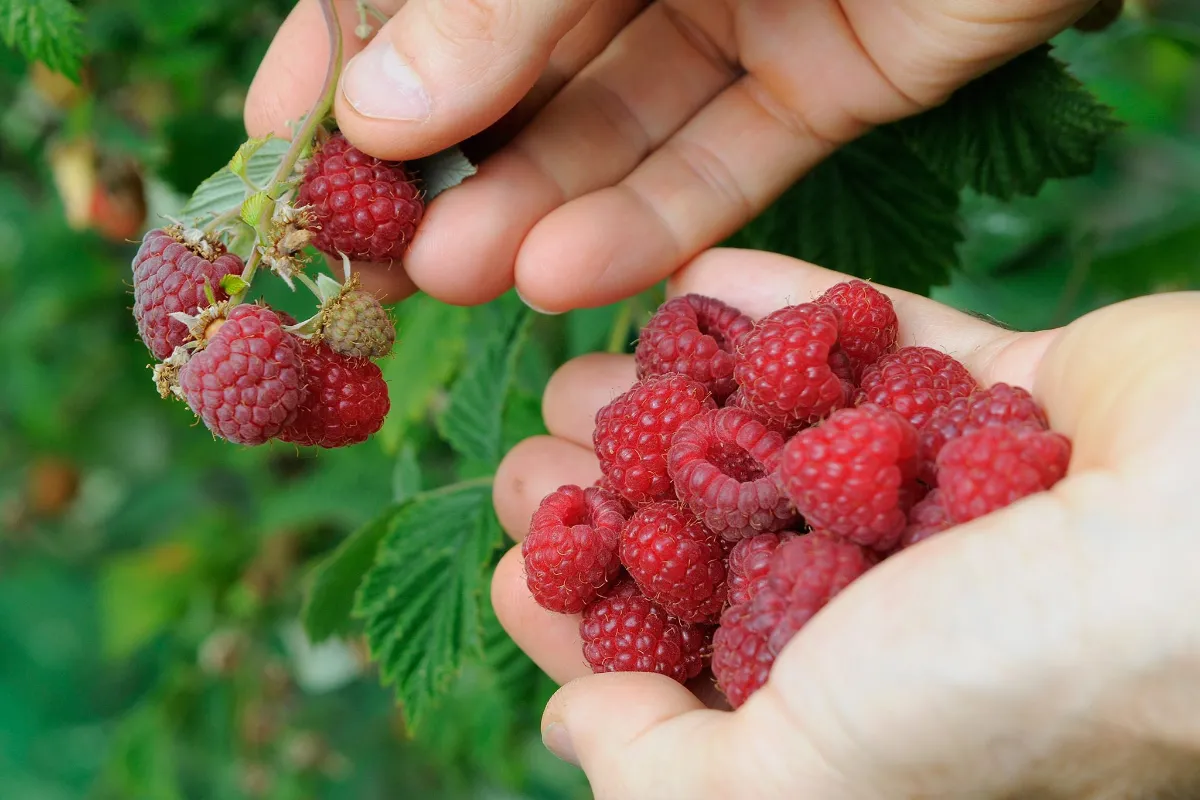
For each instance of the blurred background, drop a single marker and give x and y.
(151, 577)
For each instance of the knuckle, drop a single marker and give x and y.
(475, 21)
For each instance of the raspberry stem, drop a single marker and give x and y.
(301, 143)
(618, 335)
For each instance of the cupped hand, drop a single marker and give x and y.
(1048, 650)
(638, 133)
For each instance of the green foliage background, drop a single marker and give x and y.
(173, 549)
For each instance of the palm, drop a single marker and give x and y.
(957, 667)
(646, 132)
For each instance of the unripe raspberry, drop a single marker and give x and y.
(356, 324)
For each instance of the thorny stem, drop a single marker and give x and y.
(300, 142)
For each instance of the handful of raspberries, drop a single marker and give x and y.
(757, 469)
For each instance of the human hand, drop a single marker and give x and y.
(645, 132)
(1047, 650)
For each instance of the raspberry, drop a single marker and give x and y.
(805, 573)
(626, 632)
(694, 336)
(571, 550)
(988, 469)
(247, 382)
(169, 273)
(366, 208)
(928, 517)
(345, 400)
(721, 463)
(749, 561)
(869, 324)
(634, 431)
(355, 324)
(999, 405)
(850, 475)
(738, 400)
(914, 381)
(783, 365)
(675, 561)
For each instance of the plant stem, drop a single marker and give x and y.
(300, 142)
(620, 327)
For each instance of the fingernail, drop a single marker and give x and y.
(523, 299)
(379, 84)
(558, 741)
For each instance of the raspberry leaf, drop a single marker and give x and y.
(330, 597)
(224, 191)
(44, 30)
(430, 345)
(420, 601)
(1013, 129)
(873, 209)
(473, 422)
(442, 171)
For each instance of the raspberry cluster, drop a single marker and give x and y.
(251, 374)
(757, 469)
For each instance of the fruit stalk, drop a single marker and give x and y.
(301, 142)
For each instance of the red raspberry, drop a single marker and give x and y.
(694, 336)
(626, 632)
(634, 431)
(345, 399)
(869, 324)
(247, 383)
(169, 276)
(927, 518)
(914, 381)
(675, 561)
(851, 474)
(571, 550)
(749, 561)
(738, 400)
(366, 208)
(721, 463)
(990, 468)
(784, 367)
(999, 405)
(805, 573)
(605, 484)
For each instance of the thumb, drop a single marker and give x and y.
(441, 71)
(640, 736)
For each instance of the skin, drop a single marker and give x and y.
(627, 137)
(1047, 650)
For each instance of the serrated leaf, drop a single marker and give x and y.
(872, 209)
(473, 422)
(430, 342)
(334, 583)
(1013, 129)
(225, 191)
(253, 207)
(237, 164)
(442, 171)
(44, 30)
(233, 284)
(420, 602)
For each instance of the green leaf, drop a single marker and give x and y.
(225, 191)
(1010, 131)
(872, 209)
(431, 340)
(330, 597)
(442, 171)
(420, 602)
(44, 30)
(473, 422)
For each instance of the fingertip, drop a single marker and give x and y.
(550, 639)
(533, 469)
(580, 388)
